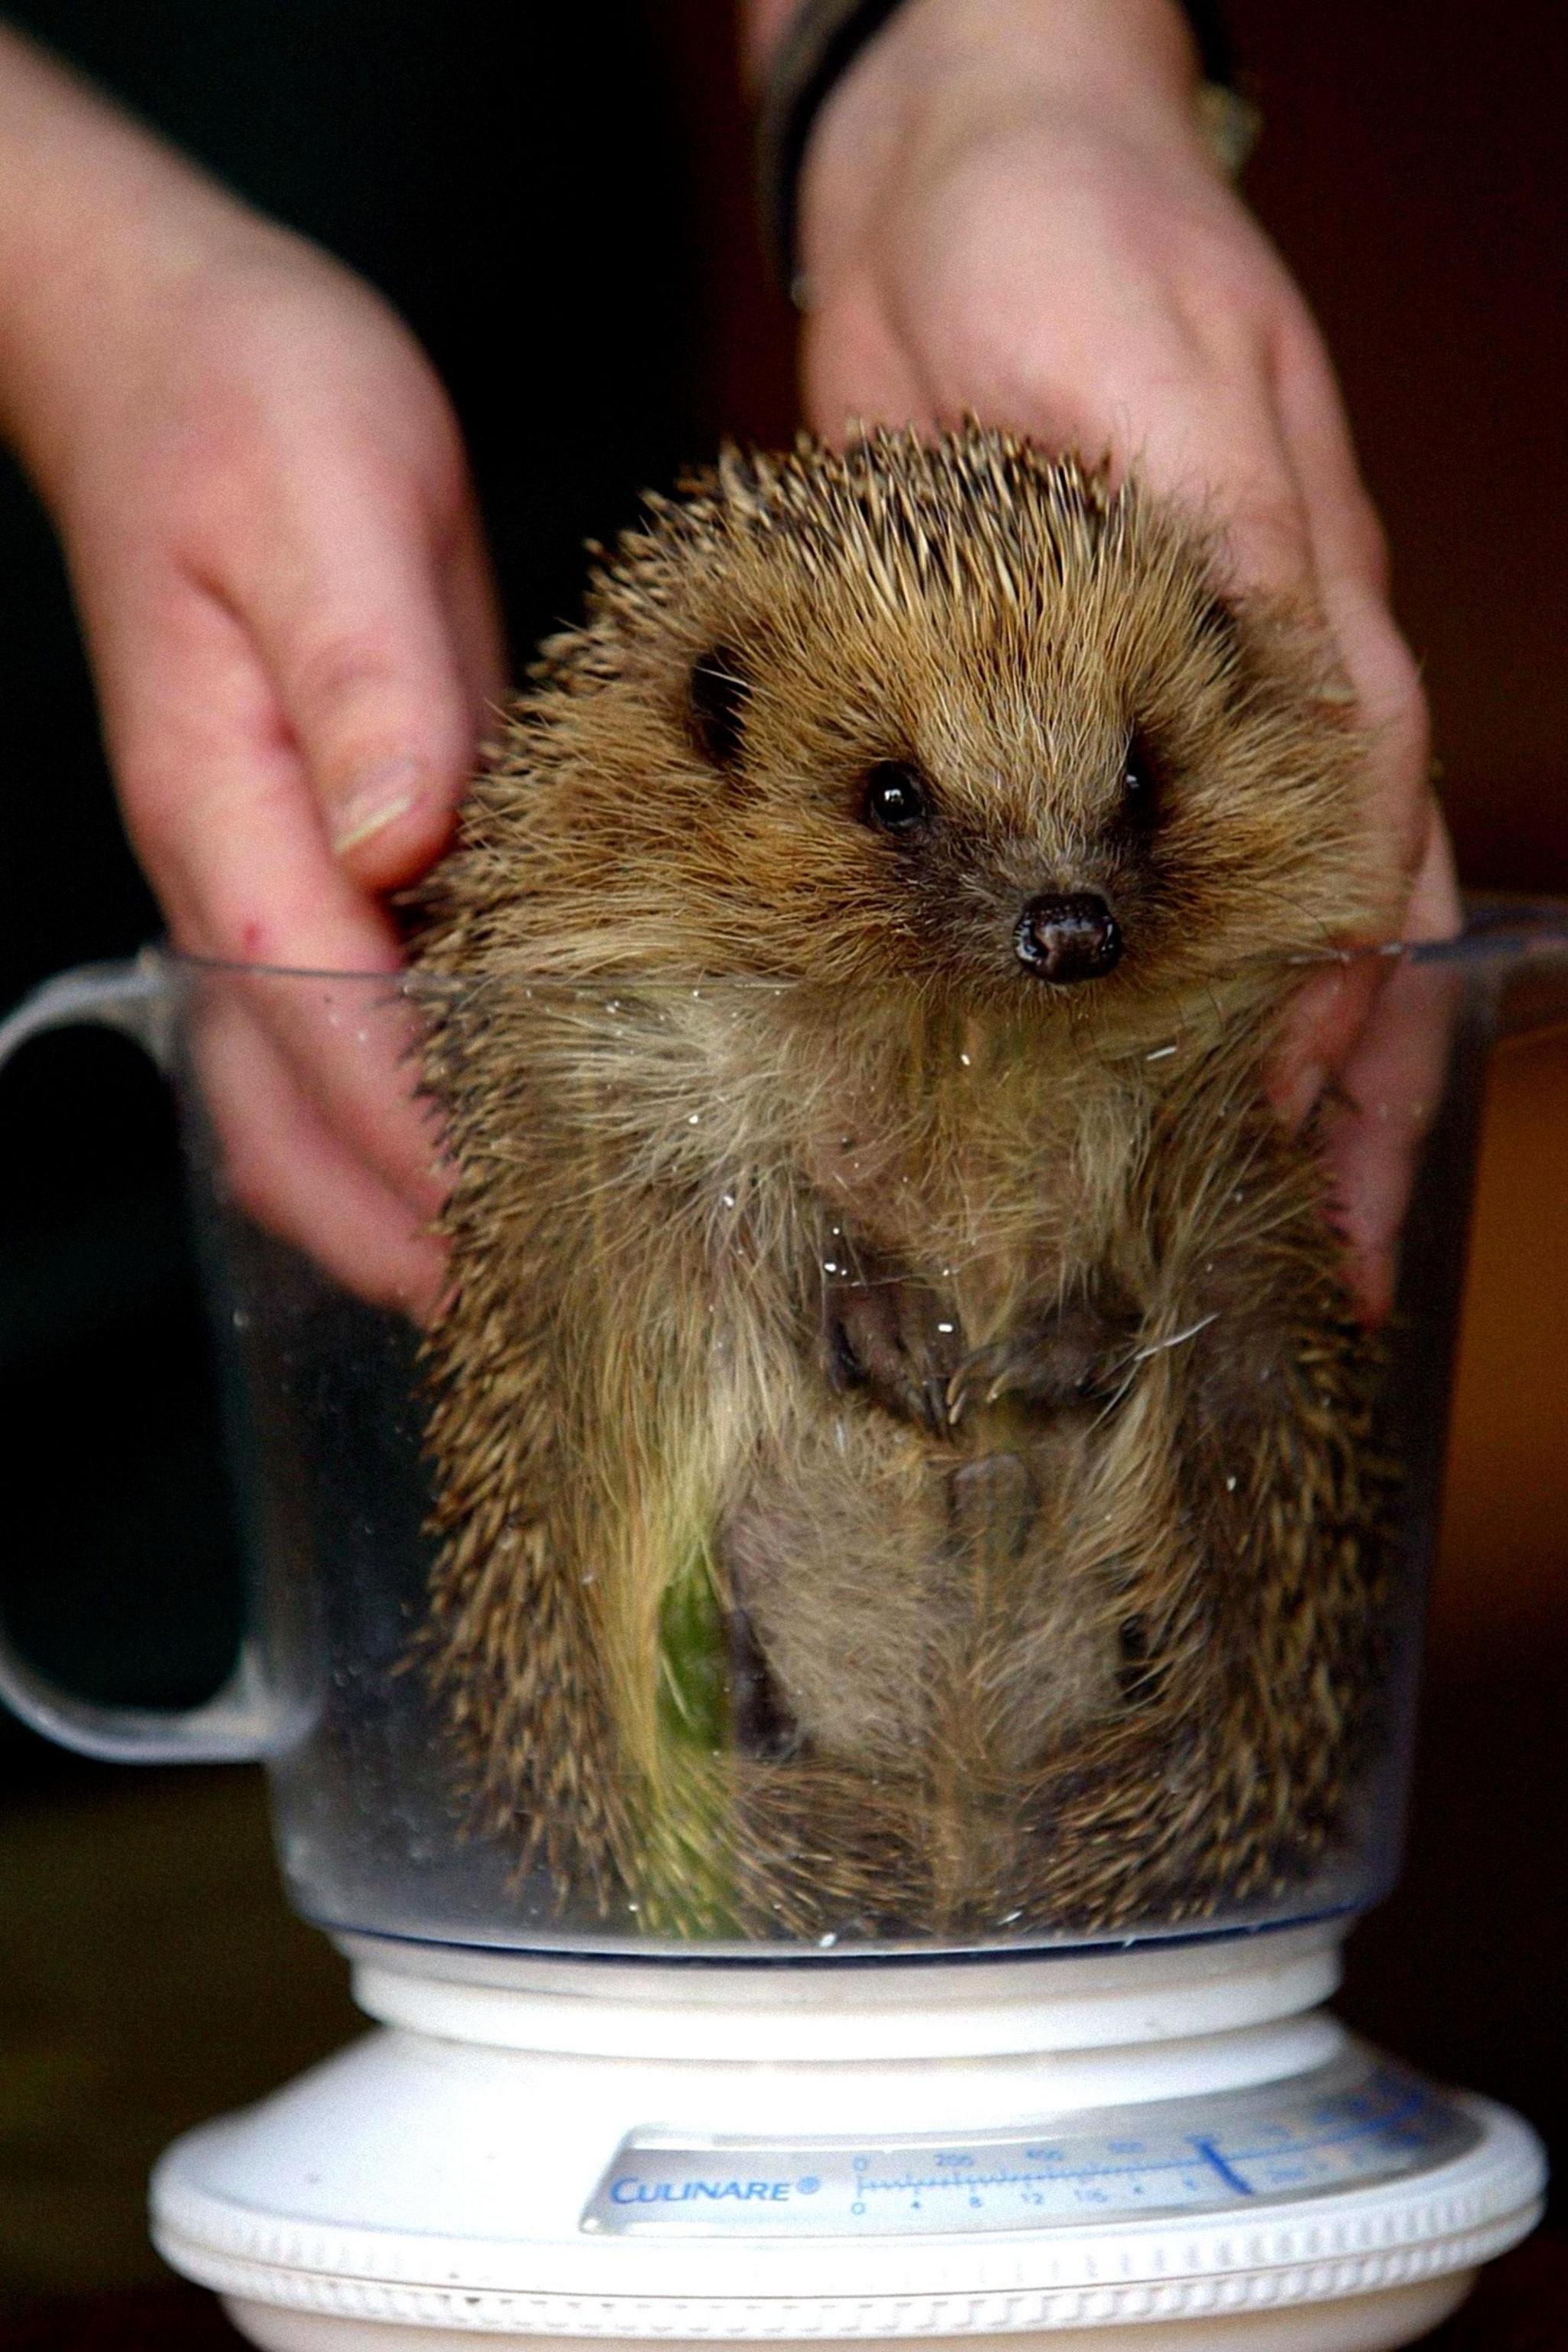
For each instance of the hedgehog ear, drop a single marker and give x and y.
(720, 692)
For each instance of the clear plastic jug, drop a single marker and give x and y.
(1117, 1648)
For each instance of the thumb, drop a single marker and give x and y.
(358, 624)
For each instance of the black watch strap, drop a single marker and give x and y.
(1210, 34)
(820, 44)
(822, 40)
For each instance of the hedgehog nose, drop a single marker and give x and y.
(1071, 937)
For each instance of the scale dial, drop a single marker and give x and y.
(1346, 2126)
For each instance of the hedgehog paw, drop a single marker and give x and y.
(1077, 1358)
(895, 1338)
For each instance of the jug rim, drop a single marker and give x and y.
(1495, 925)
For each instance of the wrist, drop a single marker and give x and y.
(1131, 61)
(103, 229)
(1107, 44)
(1135, 51)
(945, 73)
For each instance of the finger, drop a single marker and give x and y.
(854, 369)
(217, 795)
(221, 812)
(1386, 1099)
(1325, 1018)
(352, 1042)
(1215, 450)
(1436, 911)
(1341, 1003)
(1350, 561)
(1346, 533)
(348, 613)
(473, 615)
(1388, 1033)
(285, 1166)
(1103, 372)
(1362, 1030)
(1392, 1066)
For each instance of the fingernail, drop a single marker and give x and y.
(378, 796)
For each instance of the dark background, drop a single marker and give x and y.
(559, 202)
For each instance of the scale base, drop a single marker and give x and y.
(1361, 2323)
(1164, 2151)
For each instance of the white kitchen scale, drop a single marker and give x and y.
(1156, 2146)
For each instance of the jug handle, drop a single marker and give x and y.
(241, 1722)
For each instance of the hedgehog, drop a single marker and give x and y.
(905, 1462)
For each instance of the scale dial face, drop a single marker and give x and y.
(1351, 2125)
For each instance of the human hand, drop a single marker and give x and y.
(265, 506)
(1007, 209)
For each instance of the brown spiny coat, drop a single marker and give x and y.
(906, 1464)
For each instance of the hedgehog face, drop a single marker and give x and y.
(873, 838)
(1077, 799)
(948, 716)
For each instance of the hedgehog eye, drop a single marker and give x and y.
(720, 691)
(1140, 781)
(896, 798)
